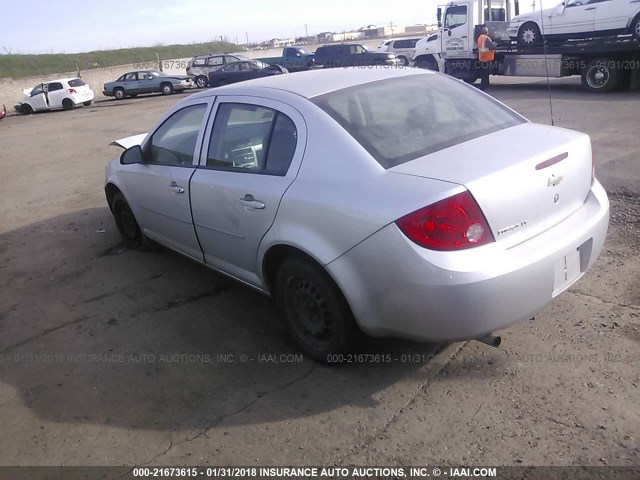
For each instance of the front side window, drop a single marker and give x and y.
(174, 142)
(37, 90)
(199, 62)
(400, 119)
(455, 17)
(251, 138)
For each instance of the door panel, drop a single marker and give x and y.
(614, 14)
(235, 205)
(158, 190)
(573, 19)
(455, 39)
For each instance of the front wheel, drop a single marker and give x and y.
(68, 104)
(600, 76)
(167, 89)
(126, 222)
(529, 35)
(315, 310)
(403, 61)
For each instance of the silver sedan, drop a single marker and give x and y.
(394, 202)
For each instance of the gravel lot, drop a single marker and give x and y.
(116, 357)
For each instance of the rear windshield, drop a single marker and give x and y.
(76, 82)
(400, 119)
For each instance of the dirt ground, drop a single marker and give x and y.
(116, 357)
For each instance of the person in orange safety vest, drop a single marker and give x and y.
(486, 55)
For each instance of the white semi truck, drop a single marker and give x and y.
(604, 62)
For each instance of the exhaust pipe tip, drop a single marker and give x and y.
(491, 340)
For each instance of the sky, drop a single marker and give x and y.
(79, 26)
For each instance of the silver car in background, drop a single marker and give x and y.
(394, 202)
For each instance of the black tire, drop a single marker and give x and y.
(26, 109)
(600, 75)
(68, 104)
(127, 223)
(316, 312)
(133, 95)
(222, 83)
(202, 81)
(529, 35)
(88, 103)
(167, 89)
(404, 61)
(635, 27)
(119, 94)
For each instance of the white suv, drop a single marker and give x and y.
(66, 93)
(577, 19)
(402, 47)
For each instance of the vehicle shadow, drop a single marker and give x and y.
(91, 332)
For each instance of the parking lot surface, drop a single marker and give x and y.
(111, 357)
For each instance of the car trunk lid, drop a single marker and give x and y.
(525, 179)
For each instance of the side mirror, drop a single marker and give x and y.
(132, 155)
(439, 16)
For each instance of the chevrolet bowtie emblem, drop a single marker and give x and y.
(554, 181)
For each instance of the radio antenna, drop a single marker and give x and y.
(546, 62)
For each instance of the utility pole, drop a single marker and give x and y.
(306, 30)
(247, 35)
(391, 26)
(533, 5)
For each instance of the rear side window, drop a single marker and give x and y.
(174, 142)
(56, 86)
(405, 44)
(251, 138)
(76, 82)
(321, 52)
(215, 61)
(401, 119)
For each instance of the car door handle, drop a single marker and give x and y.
(590, 8)
(175, 188)
(464, 36)
(249, 201)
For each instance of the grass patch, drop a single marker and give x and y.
(18, 66)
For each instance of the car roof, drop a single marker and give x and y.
(313, 83)
(61, 80)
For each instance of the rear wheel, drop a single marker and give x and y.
(202, 81)
(88, 103)
(315, 310)
(68, 104)
(119, 94)
(635, 27)
(403, 61)
(167, 89)
(529, 35)
(222, 83)
(600, 75)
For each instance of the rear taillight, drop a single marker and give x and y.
(454, 223)
(72, 90)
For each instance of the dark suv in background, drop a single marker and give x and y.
(352, 55)
(200, 66)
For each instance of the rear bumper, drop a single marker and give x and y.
(396, 288)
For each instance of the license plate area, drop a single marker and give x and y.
(570, 266)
